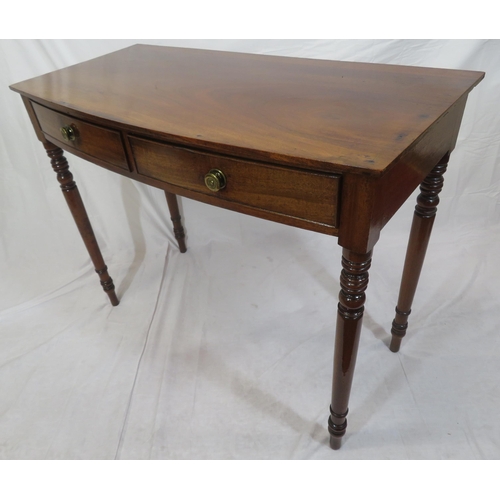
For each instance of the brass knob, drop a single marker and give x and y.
(215, 180)
(68, 132)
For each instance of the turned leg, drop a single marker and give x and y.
(353, 283)
(77, 208)
(423, 220)
(175, 216)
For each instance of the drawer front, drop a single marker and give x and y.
(95, 141)
(304, 195)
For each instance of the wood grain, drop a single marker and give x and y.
(302, 112)
(95, 141)
(335, 147)
(286, 191)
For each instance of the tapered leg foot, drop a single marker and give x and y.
(423, 220)
(175, 216)
(353, 283)
(337, 425)
(398, 330)
(108, 285)
(77, 208)
(335, 443)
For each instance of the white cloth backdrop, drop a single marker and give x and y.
(226, 351)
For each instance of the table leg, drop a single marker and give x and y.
(423, 220)
(175, 216)
(353, 283)
(77, 208)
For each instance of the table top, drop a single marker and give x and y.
(330, 115)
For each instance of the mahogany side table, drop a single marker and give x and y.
(333, 147)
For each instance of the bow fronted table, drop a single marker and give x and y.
(327, 146)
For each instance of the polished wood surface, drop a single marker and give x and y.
(315, 113)
(328, 146)
(423, 220)
(77, 209)
(286, 191)
(353, 284)
(97, 142)
(175, 216)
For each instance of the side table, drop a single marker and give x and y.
(328, 146)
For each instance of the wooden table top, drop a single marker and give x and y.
(329, 115)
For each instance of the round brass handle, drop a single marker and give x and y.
(215, 180)
(68, 132)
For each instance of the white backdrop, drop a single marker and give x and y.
(226, 351)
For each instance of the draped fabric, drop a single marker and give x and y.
(225, 352)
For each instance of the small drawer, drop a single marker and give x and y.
(294, 193)
(97, 142)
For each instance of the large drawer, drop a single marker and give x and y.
(97, 142)
(295, 193)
